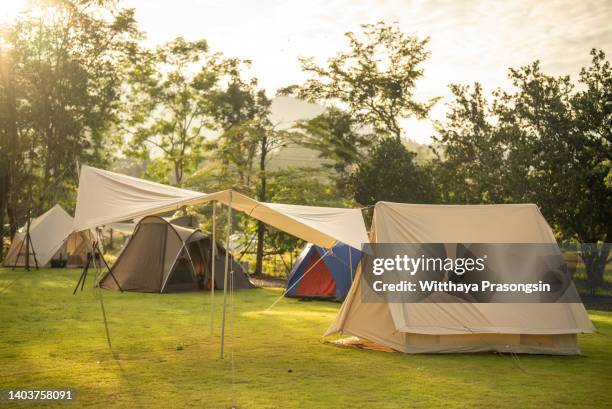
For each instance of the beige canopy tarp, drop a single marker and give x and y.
(462, 327)
(51, 238)
(106, 197)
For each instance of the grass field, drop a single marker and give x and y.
(164, 356)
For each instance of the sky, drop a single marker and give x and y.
(476, 40)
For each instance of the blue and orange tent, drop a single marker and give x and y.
(319, 273)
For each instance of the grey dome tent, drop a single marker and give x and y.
(162, 257)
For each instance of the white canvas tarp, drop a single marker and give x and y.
(462, 327)
(106, 197)
(320, 225)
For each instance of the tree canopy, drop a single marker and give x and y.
(374, 80)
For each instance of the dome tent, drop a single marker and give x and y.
(162, 257)
(538, 328)
(319, 273)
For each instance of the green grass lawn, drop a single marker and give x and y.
(165, 357)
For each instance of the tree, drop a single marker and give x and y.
(566, 138)
(337, 138)
(469, 151)
(590, 221)
(172, 94)
(267, 139)
(248, 138)
(8, 141)
(544, 142)
(242, 151)
(61, 76)
(374, 80)
(390, 174)
(241, 112)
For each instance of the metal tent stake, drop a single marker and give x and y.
(212, 269)
(227, 249)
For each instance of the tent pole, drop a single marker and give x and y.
(350, 250)
(227, 249)
(103, 260)
(27, 255)
(212, 268)
(162, 282)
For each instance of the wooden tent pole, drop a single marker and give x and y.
(212, 268)
(227, 249)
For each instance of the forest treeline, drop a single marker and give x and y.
(77, 86)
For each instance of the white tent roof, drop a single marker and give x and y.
(106, 197)
(48, 232)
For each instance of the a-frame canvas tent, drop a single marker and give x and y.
(52, 238)
(162, 257)
(321, 273)
(539, 328)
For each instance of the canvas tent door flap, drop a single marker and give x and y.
(536, 328)
(161, 257)
(76, 248)
(321, 273)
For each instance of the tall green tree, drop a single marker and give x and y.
(338, 139)
(248, 138)
(390, 173)
(469, 150)
(10, 153)
(374, 80)
(591, 213)
(172, 90)
(61, 78)
(241, 112)
(242, 150)
(544, 142)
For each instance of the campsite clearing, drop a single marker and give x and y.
(164, 356)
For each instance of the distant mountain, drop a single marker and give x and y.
(287, 110)
(129, 166)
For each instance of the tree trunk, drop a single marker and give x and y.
(261, 228)
(12, 219)
(8, 146)
(178, 174)
(2, 211)
(5, 156)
